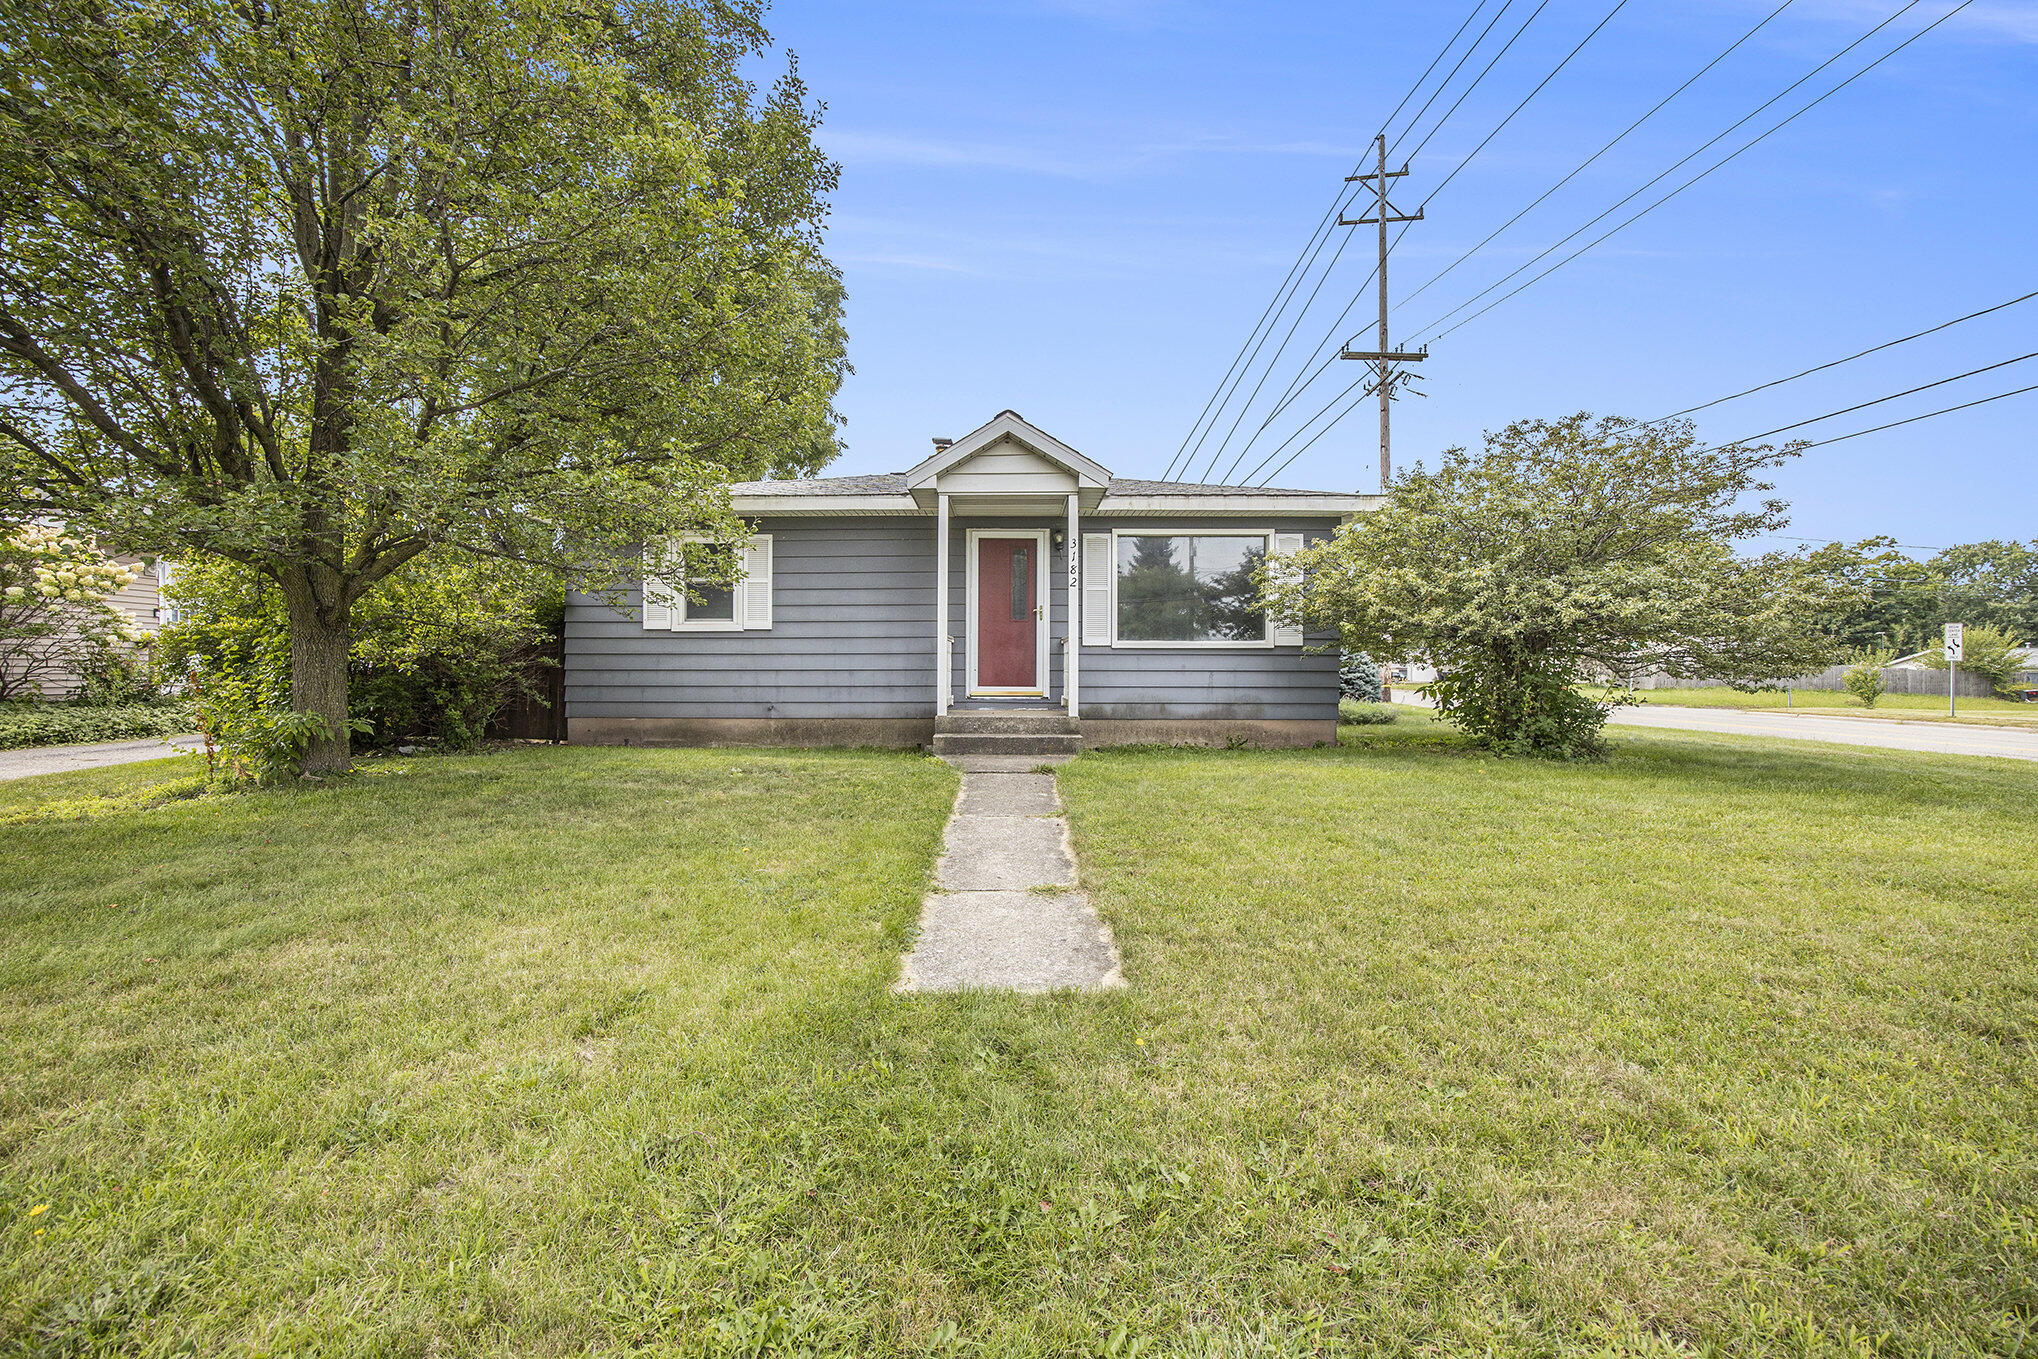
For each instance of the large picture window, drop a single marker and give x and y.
(1190, 587)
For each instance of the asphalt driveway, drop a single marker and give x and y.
(19, 764)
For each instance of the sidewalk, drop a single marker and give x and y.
(1006, 915)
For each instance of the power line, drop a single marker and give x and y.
(1361, 381)
(1445, 84)
(1687, 159)
(1594, 157)
(2003, 396)
(1319, 434)
(1268, 372)
(1288, 393)
(1502, 124)
(1477, 80)
(1311, 248)
(1434, 62)
(1848, 410)
(1873, 349)
(1799, 538)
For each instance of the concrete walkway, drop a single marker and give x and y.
(1943, 738)
(1006, 915)
(20, 764)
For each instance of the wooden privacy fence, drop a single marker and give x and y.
(540, 715)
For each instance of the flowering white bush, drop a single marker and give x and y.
(55, 622)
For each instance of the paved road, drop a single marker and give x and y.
(1944, 738)
(19, 764)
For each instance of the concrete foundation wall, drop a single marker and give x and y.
(1210, 731)
(915, 731)
(750, 731)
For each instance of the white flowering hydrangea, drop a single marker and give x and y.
(55, 614)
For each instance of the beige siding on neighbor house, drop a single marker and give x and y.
(140, 601)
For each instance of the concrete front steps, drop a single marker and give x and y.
(1011, 731)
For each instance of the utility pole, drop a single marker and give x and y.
(1385, 375)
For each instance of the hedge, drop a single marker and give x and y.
(70, 724)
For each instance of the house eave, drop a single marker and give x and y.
(1238, 506)
(1221, 506)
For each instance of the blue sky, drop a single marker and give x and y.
(1079, 208)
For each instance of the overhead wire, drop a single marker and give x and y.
(1337, 254)
(1872, 349)
(1431, 328)
(1880, 400)
(1590, 160)
(1965, 405)
(1313, 245)
(1283, 402)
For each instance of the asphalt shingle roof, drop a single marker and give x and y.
(894, 483)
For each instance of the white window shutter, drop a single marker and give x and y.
(1287, 634)
(757, 582)
(658, 609)
(1097, 572)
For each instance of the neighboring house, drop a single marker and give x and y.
(47, 669)
(874, 607)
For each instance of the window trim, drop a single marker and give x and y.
(1206, 644)
(738, 593)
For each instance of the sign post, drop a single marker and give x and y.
(1955, 653)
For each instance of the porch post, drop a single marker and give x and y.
(1072, 640)
(941, 660)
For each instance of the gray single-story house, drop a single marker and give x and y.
(1004, 576)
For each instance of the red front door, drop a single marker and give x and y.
(1008, 570)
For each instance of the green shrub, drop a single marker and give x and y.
(71, 724)
(437, 652)
(1354, 713)
(1865, 678)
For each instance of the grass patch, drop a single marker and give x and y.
(1908, 707)
(1715, 1045)
(1352, 712)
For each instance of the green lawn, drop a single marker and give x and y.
(1719, 1045)
(1904, 707)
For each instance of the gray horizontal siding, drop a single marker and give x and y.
(852, 636)
(1273, 683)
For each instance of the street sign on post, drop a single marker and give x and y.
(1956, 640)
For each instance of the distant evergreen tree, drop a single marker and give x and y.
(1358, 676)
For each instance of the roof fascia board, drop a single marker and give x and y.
(1258, 506)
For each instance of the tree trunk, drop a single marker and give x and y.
(319, 638)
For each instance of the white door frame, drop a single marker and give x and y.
(1040, 537)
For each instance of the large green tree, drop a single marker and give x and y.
(319, 286)
(1569, 551)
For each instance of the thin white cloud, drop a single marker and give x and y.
(2016, 20)
(1101, 156)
